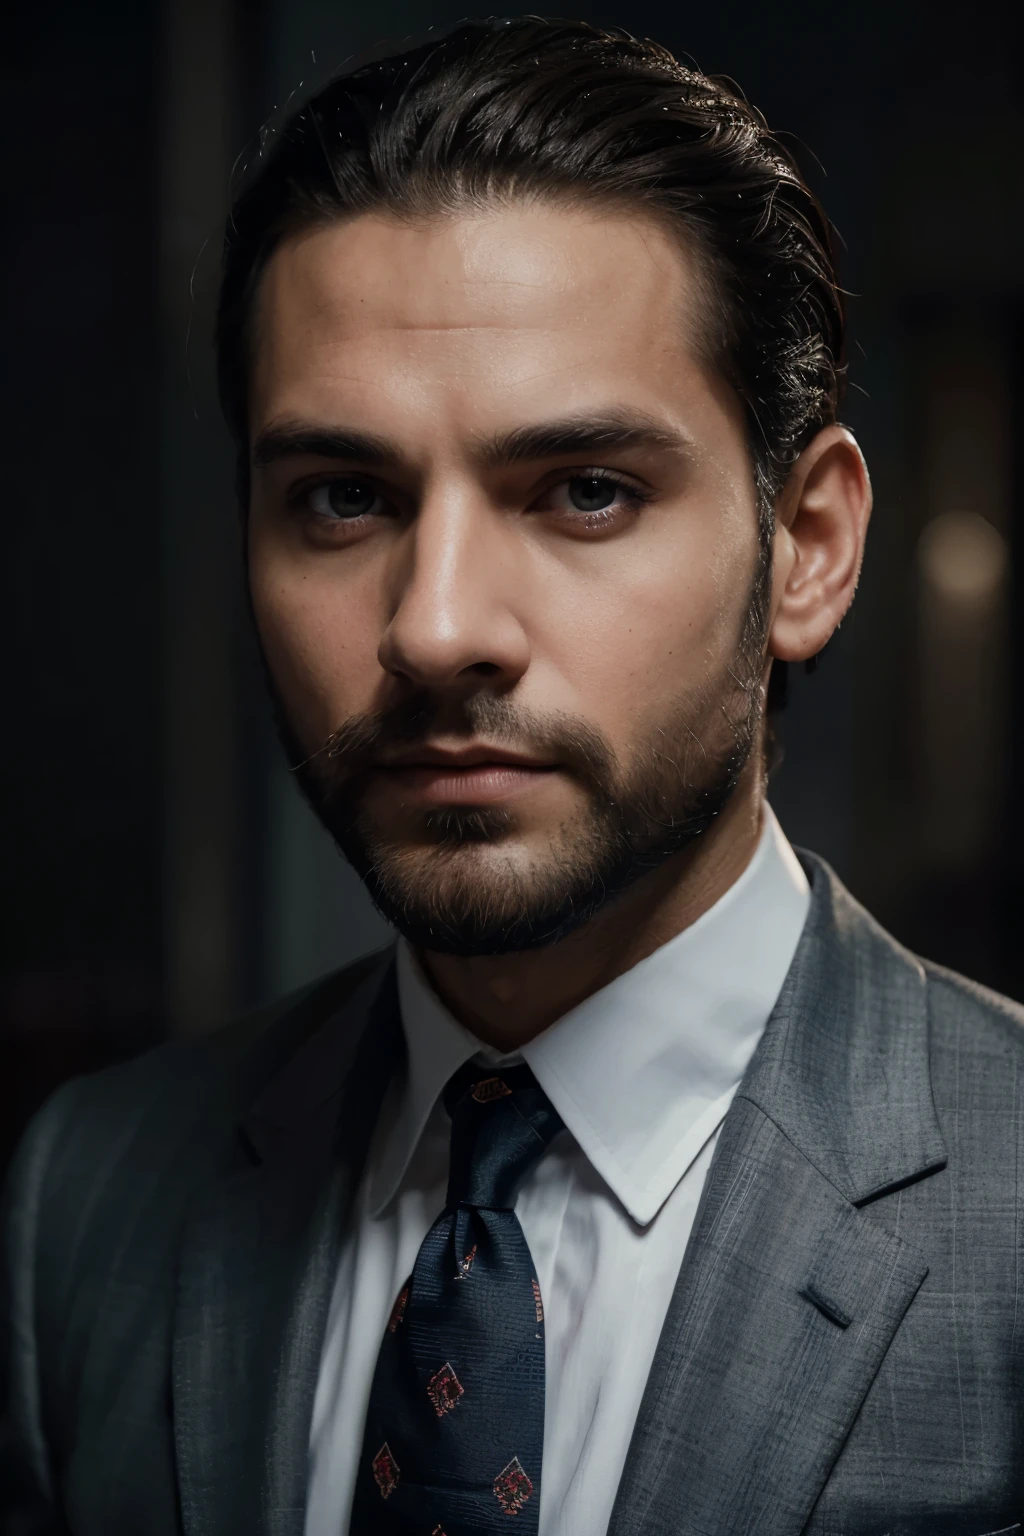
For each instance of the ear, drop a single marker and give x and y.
(821, 523)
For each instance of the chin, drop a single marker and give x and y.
(476, 898)
(492, 898)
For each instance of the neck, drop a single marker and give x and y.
(506, 1000)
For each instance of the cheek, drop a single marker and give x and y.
(320, 647)
(657, 623)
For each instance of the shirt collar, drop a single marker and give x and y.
(643, 1071)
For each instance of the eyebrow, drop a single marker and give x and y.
(603, 432)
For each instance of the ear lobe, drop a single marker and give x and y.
(822, 524)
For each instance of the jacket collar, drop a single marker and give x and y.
(843, 1066)
(298, 1113)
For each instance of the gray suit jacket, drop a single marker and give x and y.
(842, 1356)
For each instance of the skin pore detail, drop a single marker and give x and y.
(506, 575)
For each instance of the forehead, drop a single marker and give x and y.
(538, 306)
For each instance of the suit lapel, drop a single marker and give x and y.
(258, 1259)
(787, 1302)
(793, 1284)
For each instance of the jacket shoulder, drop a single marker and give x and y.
(185, 1093)
(961, 1011)
(972, 1019)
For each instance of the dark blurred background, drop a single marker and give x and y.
(160, 872)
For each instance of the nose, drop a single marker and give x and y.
(453, 622)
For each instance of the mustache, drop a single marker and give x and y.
(351, 751)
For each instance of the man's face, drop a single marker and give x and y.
(503, 544)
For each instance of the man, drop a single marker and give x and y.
(647, 1186)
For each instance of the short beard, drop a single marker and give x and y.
(442, 891)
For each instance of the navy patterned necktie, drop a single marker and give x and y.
(455, 1429)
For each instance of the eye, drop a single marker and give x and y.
(595, 493)
(593, 498)
(343, 500)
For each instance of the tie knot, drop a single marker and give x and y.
(502, 1120)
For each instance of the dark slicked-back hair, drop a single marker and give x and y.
(503, 110)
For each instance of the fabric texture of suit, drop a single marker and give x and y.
(842, 1355)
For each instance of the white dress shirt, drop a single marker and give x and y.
(642, 1073)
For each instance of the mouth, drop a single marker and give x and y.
(475, 775)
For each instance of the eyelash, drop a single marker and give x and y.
(635, 498)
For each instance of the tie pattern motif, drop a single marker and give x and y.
(455, 1428)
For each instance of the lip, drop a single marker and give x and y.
(465, 757)
(477, 775)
